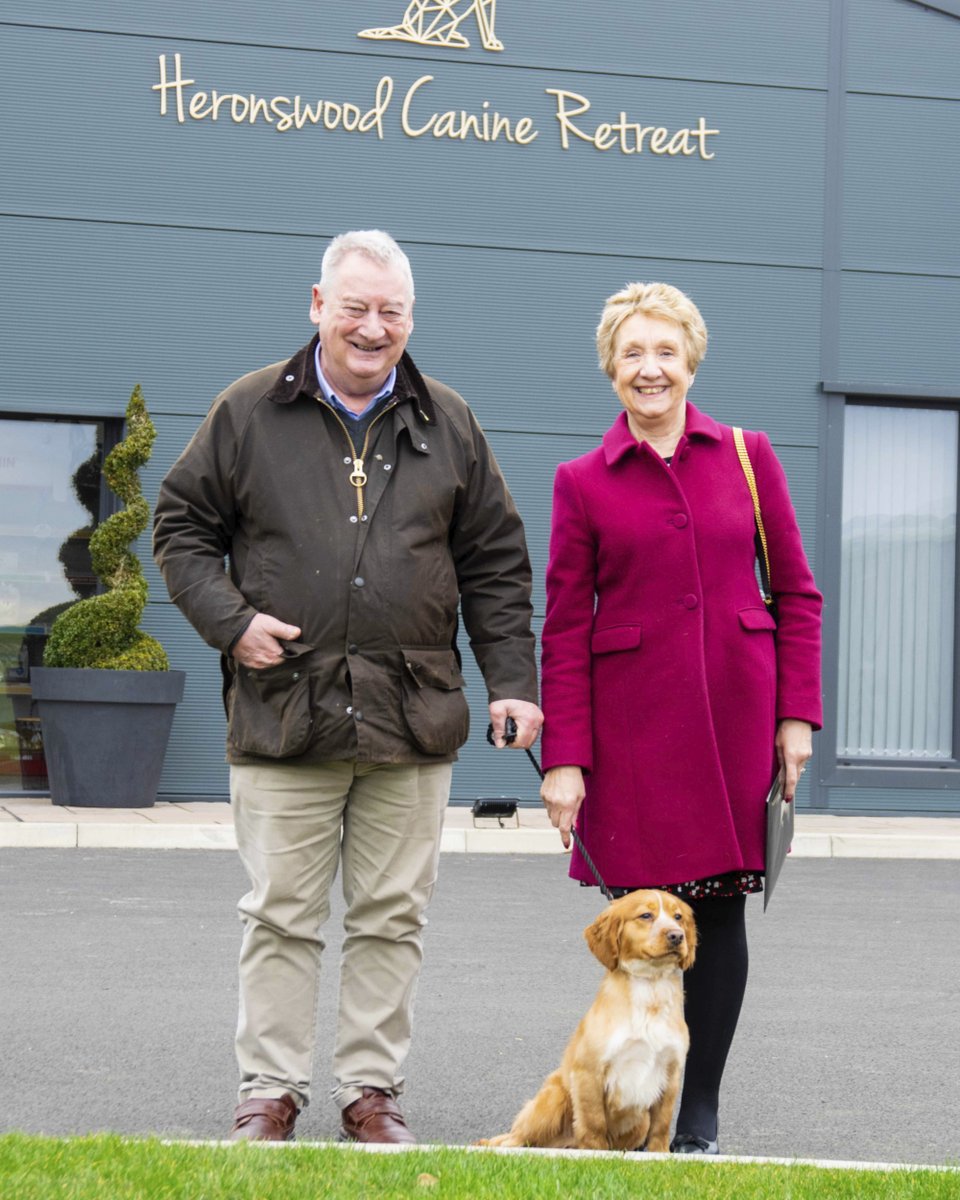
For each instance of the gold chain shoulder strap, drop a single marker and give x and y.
(752, 485)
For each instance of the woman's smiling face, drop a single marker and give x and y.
(650, 373)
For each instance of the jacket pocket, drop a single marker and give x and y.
(269, 709)
(434, 706)
(757, 618)
(616, 637)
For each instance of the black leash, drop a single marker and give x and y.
(510, 736)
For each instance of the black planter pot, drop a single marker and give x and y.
(105, 733)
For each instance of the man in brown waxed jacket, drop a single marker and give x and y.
(358, 503)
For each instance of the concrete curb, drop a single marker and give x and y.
(29, 823)
(639, 1157)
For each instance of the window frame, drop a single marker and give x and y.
(834, 770)
(113, 429)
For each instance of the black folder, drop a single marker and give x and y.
(779, 836)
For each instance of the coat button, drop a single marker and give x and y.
(358, 715)
(289, 378)
(354, 519)
(680, 520)
(349, 710)
(358, 582)
(690, 601)
(353, 648)
(387, 467)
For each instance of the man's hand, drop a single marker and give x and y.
(259, 646)
(562, 794)
(794, 744)
(528, 717)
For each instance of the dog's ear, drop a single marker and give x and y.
(603, 938)
(690, 936)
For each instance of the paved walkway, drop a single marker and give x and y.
(202, 825)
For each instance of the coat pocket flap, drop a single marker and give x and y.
(433, 668)
(268, 680)
(617, 637)
(295, 649)
(756, 618)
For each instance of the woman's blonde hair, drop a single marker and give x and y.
(661, 301)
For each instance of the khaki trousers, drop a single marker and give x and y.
(294, 824)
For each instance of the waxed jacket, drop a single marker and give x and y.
(369, 554)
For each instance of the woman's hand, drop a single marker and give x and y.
(794, 742)
(562, 793)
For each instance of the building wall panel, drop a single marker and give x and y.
(752, 41)
(900, 47)
(901, 169)
(184, 312)
(132, 164)
(135, 248)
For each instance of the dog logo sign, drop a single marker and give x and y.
(438, 22)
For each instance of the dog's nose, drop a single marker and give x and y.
(675, 937)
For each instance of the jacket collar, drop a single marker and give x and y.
(298, 376)
(618, 440)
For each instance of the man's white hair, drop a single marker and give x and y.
(374, 244)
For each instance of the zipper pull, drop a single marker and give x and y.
(358, 476)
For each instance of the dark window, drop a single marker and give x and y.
(52, 497)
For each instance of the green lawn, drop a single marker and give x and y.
(112, 1168)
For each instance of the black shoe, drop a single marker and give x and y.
(688, 1143)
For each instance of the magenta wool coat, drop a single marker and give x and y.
(663, 674)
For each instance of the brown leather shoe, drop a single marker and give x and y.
(263, 1120)
(375, 1118)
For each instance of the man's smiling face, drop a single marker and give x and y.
(364, 316)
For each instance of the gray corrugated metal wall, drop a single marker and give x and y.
(136, 248)
(896, 290)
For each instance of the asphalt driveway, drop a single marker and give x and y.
(118, 1001)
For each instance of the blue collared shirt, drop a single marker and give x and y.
(331, 397)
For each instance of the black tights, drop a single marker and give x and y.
(714, 988)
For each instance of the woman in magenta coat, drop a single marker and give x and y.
(671, 697)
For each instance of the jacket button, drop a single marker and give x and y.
(352, 648)
(690, 601)
(289, 378)
(349, 710)
(358, 715)
(354, 519)
(358, 582)
(296, 675)
(387, 467)
(680, 520)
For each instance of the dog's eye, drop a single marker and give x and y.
(678, 916)
(647, 916)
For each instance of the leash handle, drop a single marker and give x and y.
(510, 736)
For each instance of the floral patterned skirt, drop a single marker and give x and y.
(732, 883)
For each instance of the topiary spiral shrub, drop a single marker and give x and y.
(101, 631)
